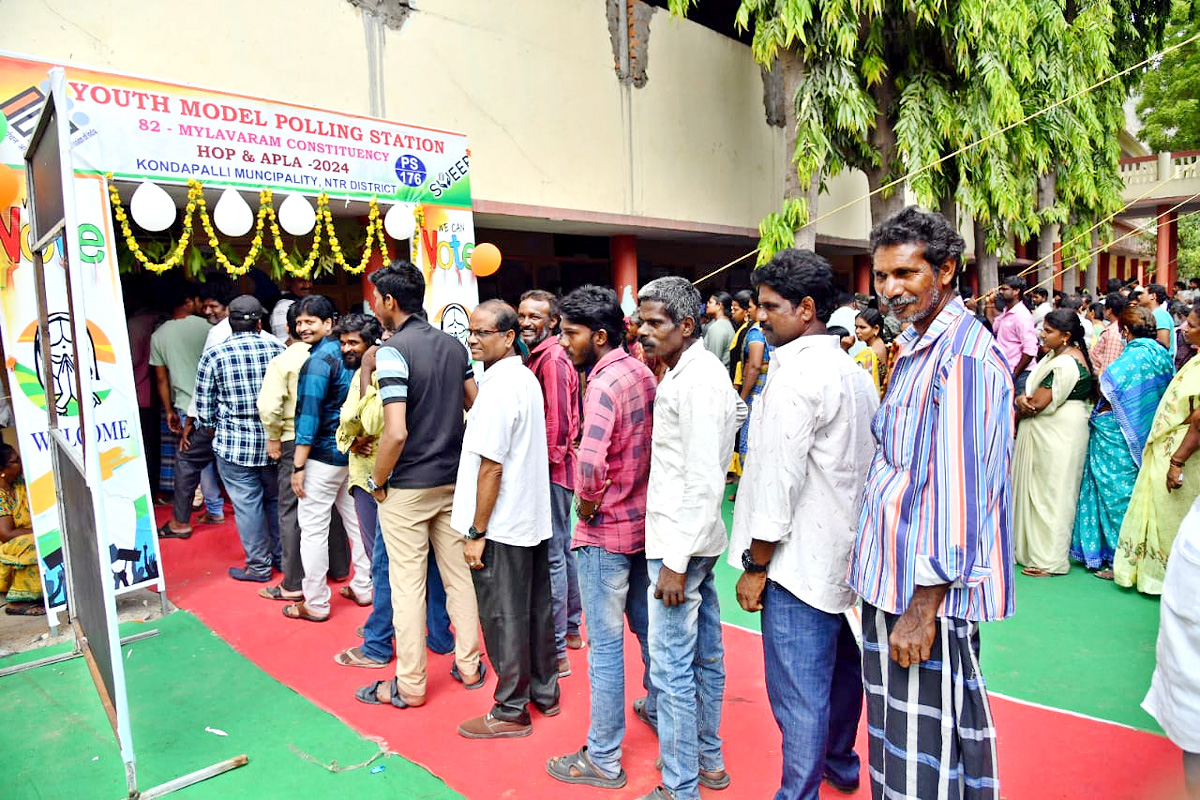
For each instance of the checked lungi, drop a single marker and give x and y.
(930, 729)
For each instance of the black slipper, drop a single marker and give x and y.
(165, 532)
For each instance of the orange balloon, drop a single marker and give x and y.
(10, 186)
(485, 259)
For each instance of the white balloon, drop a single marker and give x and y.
(152, 208)
(399, 222)
(233, 215)
(296, 216)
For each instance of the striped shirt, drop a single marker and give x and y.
(936, 506)
(228, 379)
(617, 428)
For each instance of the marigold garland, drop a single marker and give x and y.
(266, 217)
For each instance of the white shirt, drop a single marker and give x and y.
(507, 424)
(845, 316)
(696, 417)
(278, 319)
(802, 484)
(1039, 314)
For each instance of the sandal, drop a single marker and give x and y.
(276, 593)
(1104, 574)
(578, 768)
(369, 694)
(348, 593)
(208, 519)
(354, 657)
(708, 778)
(25, 610)
(1034, 572)
(454, 673)
(300, 611)
(165, 532)
(639, 709)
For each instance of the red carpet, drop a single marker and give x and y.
(1043, 753)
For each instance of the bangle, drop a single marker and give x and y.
(1177, 463)
(298, 467)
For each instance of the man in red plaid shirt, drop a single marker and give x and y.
(611, 475)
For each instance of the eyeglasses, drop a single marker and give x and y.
(479, 334)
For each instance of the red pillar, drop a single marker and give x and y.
(1140, 266)
(1162, 252)
(623, 251)
(862, 273)
(377, 261)
(1121, 272)
(1021, 248)
(1102, 272)
(1173, 260)
(1058, 265)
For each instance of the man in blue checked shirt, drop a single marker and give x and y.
(227, 382)
(320, 472)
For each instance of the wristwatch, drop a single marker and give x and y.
(474, 533)
(750, 565)
(372, 486)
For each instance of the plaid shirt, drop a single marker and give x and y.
(324, 382)
(1107, 348)
(560, 393)
(227, 382)
(618, 423)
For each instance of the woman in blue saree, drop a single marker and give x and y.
(1130, 388)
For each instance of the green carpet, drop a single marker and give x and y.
(1076, 643)
(180, 682)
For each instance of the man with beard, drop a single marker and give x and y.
(611, 476)
(538, 317)
(1014, 330)
(320, 472)
(933, 557)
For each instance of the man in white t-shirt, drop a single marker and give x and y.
(502, 507)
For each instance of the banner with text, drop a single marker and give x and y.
(132, 546)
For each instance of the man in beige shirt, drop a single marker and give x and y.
(277, 410)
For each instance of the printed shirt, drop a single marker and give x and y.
(361, 415)
(696, 417)
(560, 388)
(277, 398)
(228, 380)
(802, 488)
(1016, 335)
(321, 390)
(936, 506)
(618, 422)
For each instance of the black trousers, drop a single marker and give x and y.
(188, 466)
(513, 590)
(289, 529)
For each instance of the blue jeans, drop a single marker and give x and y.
(614, 588)
(564, 573)
(687, 666)
(254, 492)
(367, 511)
(378, 631)
(210, 487)
(814, 682)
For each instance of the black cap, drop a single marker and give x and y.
(245, 307)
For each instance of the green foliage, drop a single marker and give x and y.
(1170, 102)
(1189, 246)
(909, 87)
(778, 231)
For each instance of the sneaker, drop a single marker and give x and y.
(488, 727)
(241, 574)
(574, 641)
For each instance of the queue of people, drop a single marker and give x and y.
(902, 478)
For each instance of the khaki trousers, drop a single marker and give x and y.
(413, 520)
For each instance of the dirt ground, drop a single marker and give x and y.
(18, 634)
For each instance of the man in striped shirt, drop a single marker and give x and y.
(933, 556)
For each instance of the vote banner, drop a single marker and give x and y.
(133, 545)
